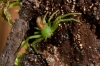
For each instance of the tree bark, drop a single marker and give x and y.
(13, 42)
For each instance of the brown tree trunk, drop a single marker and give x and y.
(13, 42)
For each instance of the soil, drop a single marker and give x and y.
(72, 44)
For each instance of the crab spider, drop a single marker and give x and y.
(46, 29)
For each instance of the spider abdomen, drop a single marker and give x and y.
(46, 32)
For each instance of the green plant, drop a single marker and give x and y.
(19, 55)
(4, 10)
(17, 60)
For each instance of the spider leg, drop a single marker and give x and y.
(36, 41)
(65, 15)
(55, 25)
(44, 18)
(31, 37)
(35, 33)
(49, 20)
(37, 28)
(59, 19)
(25, 43)
(68, 19)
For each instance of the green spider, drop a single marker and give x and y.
(46, 29)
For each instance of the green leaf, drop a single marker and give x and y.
(8, 15)
(13, 4)
(18, 60)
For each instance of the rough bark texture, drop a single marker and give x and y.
(13, 42)
(72, 44)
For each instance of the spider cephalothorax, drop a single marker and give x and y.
(47, 28)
